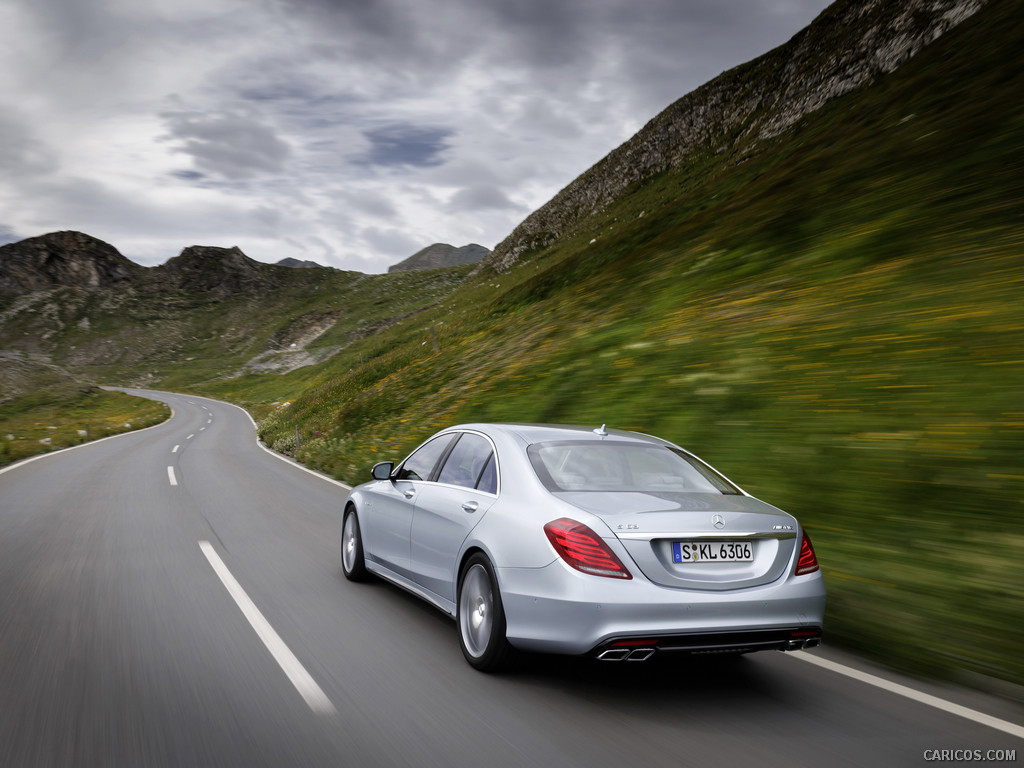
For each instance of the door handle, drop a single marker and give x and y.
(470, 506)
(409, 493)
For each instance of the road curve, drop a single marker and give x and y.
(123, 643)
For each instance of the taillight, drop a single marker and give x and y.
(807, 563)
(583, 549)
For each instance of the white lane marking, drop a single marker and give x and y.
(171, 477)
(190, 437)
(918, 696)
(175, 449)
(301, 679)
(202, 429)
(209, 421)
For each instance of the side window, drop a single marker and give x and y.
(489, 477)
(421, 463)
(466, 461)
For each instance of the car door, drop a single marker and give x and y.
(447, 510)
(386, 530)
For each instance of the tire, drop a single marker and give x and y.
(353, 563)
(481, 617)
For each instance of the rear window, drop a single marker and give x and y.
(608, 465)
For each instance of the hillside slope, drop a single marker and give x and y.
(852, 43)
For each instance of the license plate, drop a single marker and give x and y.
(712, 552)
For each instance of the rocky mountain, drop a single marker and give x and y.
(849, 45)
(441, 255)
(64, 259)
(221, 272)
(299, 264)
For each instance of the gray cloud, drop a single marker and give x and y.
(8, 235)
(21, 153)
(188, 175)
(481, 198)
(391, 243)
(370, 203)
(230, 144)
(405, 144)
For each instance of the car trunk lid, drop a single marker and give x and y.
(700, 541)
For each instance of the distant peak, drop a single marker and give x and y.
(220, 271)
(441, 255)
(299, 264)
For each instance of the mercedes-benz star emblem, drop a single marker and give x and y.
(718, 521)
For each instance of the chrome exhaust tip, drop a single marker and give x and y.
(614, 654)
(640, 654)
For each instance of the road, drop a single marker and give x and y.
(122, 643)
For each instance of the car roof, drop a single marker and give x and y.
(541, 433)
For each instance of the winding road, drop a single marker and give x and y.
(173, 597)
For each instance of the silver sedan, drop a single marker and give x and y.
(588, 541)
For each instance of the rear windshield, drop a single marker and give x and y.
(608, 465)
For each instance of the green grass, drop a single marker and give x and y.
(60, 417)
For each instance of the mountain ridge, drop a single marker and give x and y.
(733, 114)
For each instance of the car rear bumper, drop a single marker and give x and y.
(744, 641)
(556, 609)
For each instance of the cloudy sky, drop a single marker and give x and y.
(348, 132)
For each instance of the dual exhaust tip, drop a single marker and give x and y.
(799, 645)
(626, 654)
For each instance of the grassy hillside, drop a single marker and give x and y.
(60, 416)
(833, 319)
(178, 336)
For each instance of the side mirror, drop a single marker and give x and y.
(382, 470)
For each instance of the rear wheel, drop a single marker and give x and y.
(352, 561)
(481, 617)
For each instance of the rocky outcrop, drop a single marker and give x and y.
(299, 264)
(441, 255)
(850, 44)
(64, 259)
(220, 272)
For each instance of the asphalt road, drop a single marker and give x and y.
(121, 644)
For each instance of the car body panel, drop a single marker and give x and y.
(386, 523)
(443, 518)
